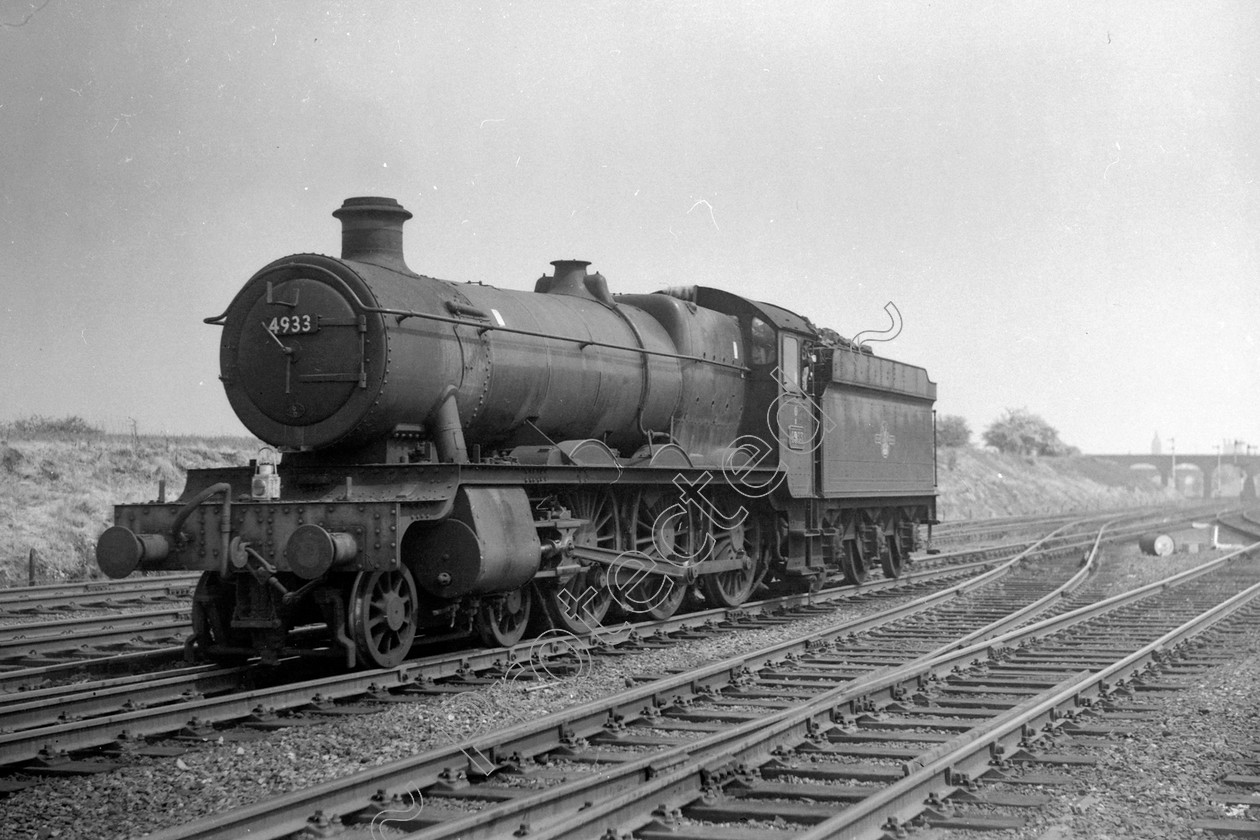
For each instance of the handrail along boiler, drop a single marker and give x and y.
(460, 458)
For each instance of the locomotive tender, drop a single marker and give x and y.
(459, 458)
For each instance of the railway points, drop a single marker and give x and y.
(776, 690)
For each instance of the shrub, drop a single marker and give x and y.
(952, 430)
(48, 427)
(1021, 432)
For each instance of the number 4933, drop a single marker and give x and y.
(294, 324)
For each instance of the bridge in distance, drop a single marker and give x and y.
(1208, 464)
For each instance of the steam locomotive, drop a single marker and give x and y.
(458, 458)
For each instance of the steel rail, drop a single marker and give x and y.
(74, 735)
(289, 813)
(29, 598)
(31, 710)
(634, 774)
(20, 679)
(717, 756)
(74, 728)
(23, 678)
(967, 527)
(970, 755)
(796, 723)
(20, 641)
(974, 531)
(78, 637)
(1088, 566)
(75, 626)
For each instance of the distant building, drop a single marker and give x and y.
(1157, 448)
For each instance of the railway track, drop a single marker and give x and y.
(952, 533)
(125, 712)
(35, 653)
(48, 642)
(971, 531)
(497, 686)
(945, 725)
(32, 652)
(48, 724)
(51, 722)
(729, 683)
(51, 599)
(831, 736)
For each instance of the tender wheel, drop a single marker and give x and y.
(580, 604)
(742, 537)
(662, 533)
(852, 563)
(891, 557)
(214, 601)
(383, 615)
(501, 619)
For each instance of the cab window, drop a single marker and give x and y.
(761, 337)
(791, 362)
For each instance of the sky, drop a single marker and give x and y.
(1059, 198)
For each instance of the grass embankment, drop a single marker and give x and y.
(58, 487)
(980, 484)
(59, 481)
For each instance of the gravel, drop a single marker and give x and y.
(1149, 785)
(1157, 781)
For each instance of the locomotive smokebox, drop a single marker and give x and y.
(371, 231)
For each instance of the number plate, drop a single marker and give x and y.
(294, 324)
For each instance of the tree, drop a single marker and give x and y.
(952, 430)
(1021, 432)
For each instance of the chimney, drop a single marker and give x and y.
(371, 231)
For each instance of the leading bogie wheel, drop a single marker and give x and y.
(382, 615)
(501, 619)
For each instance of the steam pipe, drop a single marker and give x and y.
(225, 519)
(448, 432)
